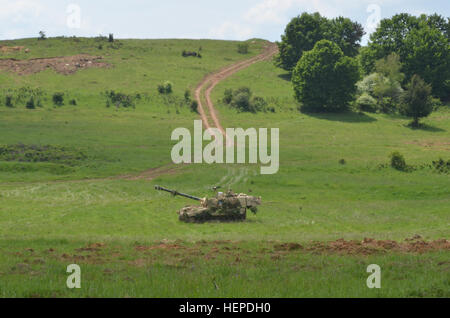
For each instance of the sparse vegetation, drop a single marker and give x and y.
(37, 153)
(118, 99)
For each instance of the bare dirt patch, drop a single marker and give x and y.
(64, 65)
(13, 49)
(371, 246)
(432, 145)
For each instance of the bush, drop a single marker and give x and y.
(189, 53)
(187, 96)
(228, 96)
(388, 105)
(243, 48)
(398, 161)
(111, 38)
(442, 166)
(366, 103)
(259, 103)
(436, 103)
(324, 79)
(58, 99)
(242, 100)
(8, 101)
(194, 106)
(166, 88)
(30, 104)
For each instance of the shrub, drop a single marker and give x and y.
(242, 101)
(228, 96)
(194, 106)
(416, 100)
(111, 38)
(30, 104)
(436, 103)
(166, 88)
(259, 103)
(398, 161)
(243, 48)
(388, 105)
(58, 99)
(367, 84)
(442, 166)
(324, 79)
(187, 96)
(8, 101)
(188, 53)
(366, 103)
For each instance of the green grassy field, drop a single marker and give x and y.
(126, 237)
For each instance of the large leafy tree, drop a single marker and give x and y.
(325, 79)
(427, 53)
(304, 31)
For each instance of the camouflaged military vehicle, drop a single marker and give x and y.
(225, 207)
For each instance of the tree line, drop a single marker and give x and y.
(405, 67)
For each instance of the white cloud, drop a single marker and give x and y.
(271, 11)
(20, 11)
(277, 11)
(231, 30)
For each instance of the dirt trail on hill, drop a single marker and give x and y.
(206, 86)
(204, 90)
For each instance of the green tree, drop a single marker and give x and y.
(304, 31)
(417, 100)
(427, 53)
(324, 79)
(347, 34)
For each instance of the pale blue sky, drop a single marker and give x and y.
(231, 19)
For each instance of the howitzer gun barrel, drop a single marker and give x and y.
(175, 193)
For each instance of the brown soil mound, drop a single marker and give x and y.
(63, 65)
(371, 246)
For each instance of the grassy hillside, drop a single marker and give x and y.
(127, 237)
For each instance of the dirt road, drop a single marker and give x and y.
(204, 89)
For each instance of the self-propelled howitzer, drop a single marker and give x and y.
(224, 207)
